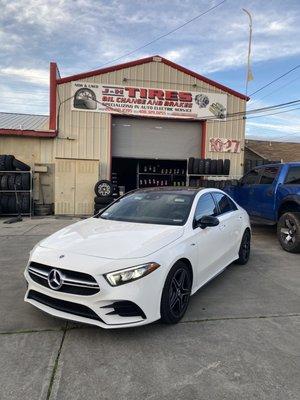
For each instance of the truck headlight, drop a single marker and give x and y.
(127, 275)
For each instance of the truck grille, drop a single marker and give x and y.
(72, 281)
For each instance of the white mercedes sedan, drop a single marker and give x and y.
(140, 259)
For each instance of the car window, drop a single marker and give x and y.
(293, 176)
(206, 206)
(251, 178)
(268, 175)
(224, 202)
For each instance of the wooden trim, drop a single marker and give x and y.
(28, 133)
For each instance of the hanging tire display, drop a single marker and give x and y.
(103, 188)
(25, 178)
(4, 182)
(196, 166)
(11, 182)
(219, 167)
(4, 203)
(213, 167)
(226, 167)
(207, 166)
(11, 205)
(191, 165)
(18, 182)
(25, 203)
(201, 166)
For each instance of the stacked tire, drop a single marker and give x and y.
(105, 194)
(10, 202)
(208, 166)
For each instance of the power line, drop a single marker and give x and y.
(277, 89)
(165, 34)
(275, 80)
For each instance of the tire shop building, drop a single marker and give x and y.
(137, 123)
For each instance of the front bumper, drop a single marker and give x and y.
(103, 309)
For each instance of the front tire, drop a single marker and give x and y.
(176, 293)
(288, 232)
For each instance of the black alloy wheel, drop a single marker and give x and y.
(288, 232)
(176, 294)
(244, 252)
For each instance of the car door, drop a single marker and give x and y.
(208, 241)
(247, 191)
(265, 193)
(230, 226)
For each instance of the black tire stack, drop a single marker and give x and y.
(106, 193)
(9, 182)
(208, 166)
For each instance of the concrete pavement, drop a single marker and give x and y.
(240, 338)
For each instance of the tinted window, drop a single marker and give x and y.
(224, 202)
(153, 207)
(293, 176)
(268, 174)
(205, 206)
(251, 178)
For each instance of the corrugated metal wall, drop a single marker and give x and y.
(87, 135)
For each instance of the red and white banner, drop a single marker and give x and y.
(141, 101)
(225, 145)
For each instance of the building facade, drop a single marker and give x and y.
(115, 118)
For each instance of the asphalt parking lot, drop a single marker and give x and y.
(240, 338)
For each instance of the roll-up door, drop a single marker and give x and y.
(154, 138)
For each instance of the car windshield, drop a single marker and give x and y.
(164, 208)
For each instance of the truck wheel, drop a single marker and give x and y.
(288, 231)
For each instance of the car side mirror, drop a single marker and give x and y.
(206, 221)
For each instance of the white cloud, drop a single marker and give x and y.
(37, 76)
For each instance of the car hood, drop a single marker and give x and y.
(112, 239)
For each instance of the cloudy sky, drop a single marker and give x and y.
(81, 35)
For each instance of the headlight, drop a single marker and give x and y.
(130, 274)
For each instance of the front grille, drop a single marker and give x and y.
(125, 309)
(62, 305)
(73, 282)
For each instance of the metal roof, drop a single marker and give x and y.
(22, 121)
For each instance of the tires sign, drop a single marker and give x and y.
(112, 99)
(224, 145)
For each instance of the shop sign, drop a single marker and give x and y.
(87, 96)
(224, 145)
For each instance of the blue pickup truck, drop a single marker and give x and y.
(271, 194)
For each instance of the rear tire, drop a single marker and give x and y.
(244, 252)
(288, 231)
(176, 293)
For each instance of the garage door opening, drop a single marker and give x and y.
(133, 173)
(148, 152)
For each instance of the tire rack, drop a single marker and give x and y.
(159, 175)
(209, 176)
(29, 191)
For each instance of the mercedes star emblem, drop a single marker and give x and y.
(55, 280)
